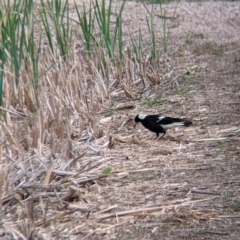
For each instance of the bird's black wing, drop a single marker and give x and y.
(151, 122)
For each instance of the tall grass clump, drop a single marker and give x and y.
(13, 34)
(110, 38)
(137, 46)
(164, 32)
(151, 29)
(57, 24)
(86, 21)
(147, 50)
(17, 39)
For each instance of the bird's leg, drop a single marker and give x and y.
(157, 135)
(162, 135)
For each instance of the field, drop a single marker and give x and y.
(72, 164)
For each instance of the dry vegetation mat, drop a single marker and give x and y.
(74, 76)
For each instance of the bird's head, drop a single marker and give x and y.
(139, 118)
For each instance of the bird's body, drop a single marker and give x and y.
(159, 124)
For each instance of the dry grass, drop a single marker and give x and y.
(52, 184)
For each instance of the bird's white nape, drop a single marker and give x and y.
(160, 118)
(141, 116)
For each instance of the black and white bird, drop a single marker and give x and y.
(159, 124)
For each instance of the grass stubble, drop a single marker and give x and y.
(63, 65)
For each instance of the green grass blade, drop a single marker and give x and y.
(47, 27)
(87, 26)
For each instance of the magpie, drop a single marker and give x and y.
(159, 124)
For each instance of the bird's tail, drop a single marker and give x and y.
(187, 123)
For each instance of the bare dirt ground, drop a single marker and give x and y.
(185, 186)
